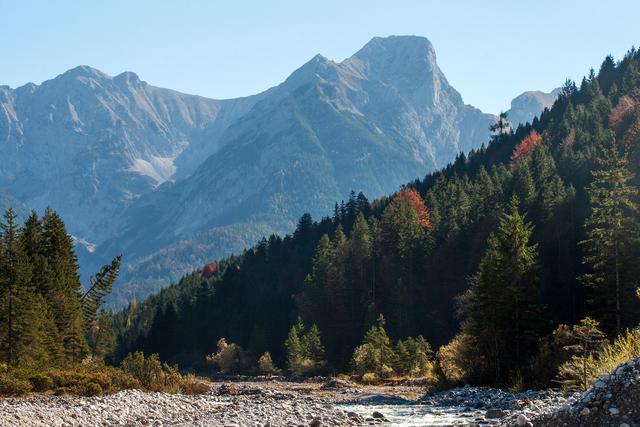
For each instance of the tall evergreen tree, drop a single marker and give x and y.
(22, 311)
(612, 233)
(63, 288)
(499, 309)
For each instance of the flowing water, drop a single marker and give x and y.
(418, 415)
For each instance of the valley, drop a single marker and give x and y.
(346, 240)
(175, 181)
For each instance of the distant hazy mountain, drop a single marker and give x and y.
(530, 104)
(174, 180)
(89, 144)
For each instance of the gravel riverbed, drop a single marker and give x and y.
(613, 401)
(132, 407)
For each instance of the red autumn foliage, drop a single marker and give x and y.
(412, 196)
(526, 146)
(209, 270)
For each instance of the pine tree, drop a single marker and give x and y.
(313, 345)
(293, 347)
(501, 127)
(376, 354)
(23, 313)
(499, 309)
(305, 352)
(63, 288)
(611, 234)
(575, 374)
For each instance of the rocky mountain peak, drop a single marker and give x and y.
(394, 56)
(84, 71)
(530, 104)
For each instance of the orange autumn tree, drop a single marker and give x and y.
(526, 146)
(209, 270)
(410, 195)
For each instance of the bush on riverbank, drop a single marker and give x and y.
(580, 372)
(305, 352)
(377, 358)
(92, 378)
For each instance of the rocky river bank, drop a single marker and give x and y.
(613, 401)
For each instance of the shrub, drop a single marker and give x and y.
(414, 357)
(93, 378)
(457, 362)
(152, 374)
(623, 349)
(92, 389)
(582, 368)
(266, 365)
(370, 378)
(581, 371)
(76, 381)
(228, 357)
(122, 380)
(13, 386)
(375, 355)
(41, 382)
(193, 385)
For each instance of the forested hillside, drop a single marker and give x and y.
(498, 249)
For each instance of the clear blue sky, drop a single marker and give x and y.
(489, 50)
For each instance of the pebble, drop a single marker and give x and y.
(522, 420)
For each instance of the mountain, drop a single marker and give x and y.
(384, 116)
(532, 232)
(174, 180)
(89, 144)
(530, 104)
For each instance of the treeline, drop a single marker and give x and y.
(485, 258)
(54, 336)
(47, 317)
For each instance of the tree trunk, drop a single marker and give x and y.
(617, 266)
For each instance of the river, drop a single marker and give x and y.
(420, 415)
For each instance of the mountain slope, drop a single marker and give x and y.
(89, 144)
(388, 262)
(384, 116)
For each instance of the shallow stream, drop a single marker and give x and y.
(419, 415)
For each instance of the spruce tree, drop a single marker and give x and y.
(63, 288)
(499, 310)
(293, 347)
(612, 232)
(23, 313)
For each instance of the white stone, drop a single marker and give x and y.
(522, 420)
